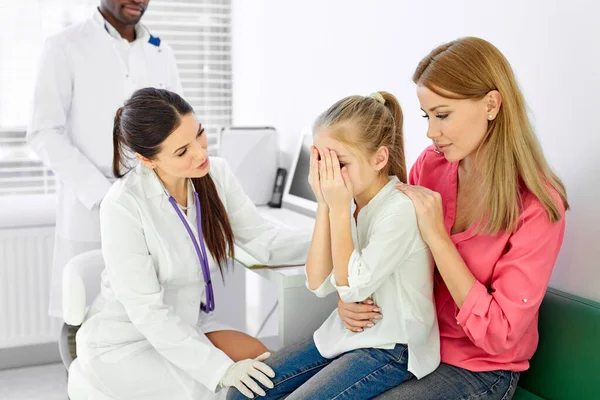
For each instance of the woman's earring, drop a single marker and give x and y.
(490, 117)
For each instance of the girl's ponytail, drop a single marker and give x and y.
(397, 162)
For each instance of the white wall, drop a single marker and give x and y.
(294, 59)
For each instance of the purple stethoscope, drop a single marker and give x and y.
(199, 247)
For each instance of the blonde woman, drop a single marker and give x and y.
(493, 215)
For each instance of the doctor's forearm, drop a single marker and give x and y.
(341, 244)
(319, 263)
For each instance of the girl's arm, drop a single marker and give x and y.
(319, 262)
(341, 243)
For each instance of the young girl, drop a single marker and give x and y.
(151, 334)
(366, 244)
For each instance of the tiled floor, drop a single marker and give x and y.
(44, 382)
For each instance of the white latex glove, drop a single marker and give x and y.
(243, 374)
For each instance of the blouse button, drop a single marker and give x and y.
(457, 323)
(525, 300)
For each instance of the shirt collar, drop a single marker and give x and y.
(141, 32)
(153, 187)
(150, 182)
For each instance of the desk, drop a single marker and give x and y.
(299, 312)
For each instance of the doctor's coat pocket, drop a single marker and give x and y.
(75, 221)
(182, 261)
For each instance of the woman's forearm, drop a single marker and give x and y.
(453, 269)
(319, 263)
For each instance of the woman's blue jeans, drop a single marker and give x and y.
(448, 382)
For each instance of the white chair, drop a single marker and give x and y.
(80, 286)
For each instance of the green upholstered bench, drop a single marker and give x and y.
(566, 364)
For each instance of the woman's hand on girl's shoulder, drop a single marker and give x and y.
(429, 210)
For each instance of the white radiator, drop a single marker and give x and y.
(25, 271)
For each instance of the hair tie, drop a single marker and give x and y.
(377, 96)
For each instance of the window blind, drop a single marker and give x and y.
(198, 31)
(20, 170)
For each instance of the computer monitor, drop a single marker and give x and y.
(298, 195)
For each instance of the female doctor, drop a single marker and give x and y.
(150, 334)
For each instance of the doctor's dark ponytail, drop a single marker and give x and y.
(141, 126)
(116, 164)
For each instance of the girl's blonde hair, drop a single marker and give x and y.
(469, 68)
(376, 121)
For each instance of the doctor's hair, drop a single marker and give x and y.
(367, 123)
(141, 126)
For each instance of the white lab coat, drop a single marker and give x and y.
(81, 82)
(144, 336)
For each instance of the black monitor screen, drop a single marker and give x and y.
(299, 186)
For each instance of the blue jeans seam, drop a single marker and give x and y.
(486, 391)
(512, 384)
(393, 361)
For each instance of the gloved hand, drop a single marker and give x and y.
(243, 374)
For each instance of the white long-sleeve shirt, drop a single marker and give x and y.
(391, 264)
(153, 285)
(86, 72)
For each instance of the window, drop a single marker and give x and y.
(199, 31)
(20, 170)
(200, 34)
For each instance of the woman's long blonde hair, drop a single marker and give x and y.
(374, 123)
(470, 68)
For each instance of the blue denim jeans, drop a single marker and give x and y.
(448, 382)
(302, 373)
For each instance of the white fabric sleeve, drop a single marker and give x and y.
(133, 278)
(47, 135)
(325, 289)
(394, 238)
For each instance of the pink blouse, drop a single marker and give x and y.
(497, 326)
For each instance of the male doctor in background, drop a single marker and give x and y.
(86, 72)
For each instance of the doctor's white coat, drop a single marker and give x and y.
(82, 79)
(144, 336)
